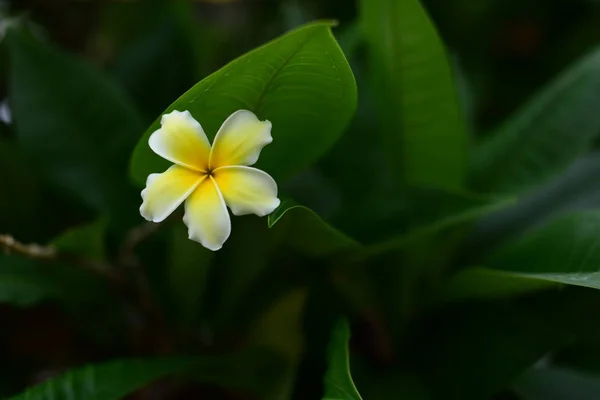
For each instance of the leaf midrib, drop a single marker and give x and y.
(277, 71)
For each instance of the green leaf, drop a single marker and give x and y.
(159, 65)
(562, 252)
(471, 350)
(26, 282)
(350, 39)
(108, 381)
(246, 278)
(301, 82)
(279, 328)
(402, 269)
(551, 383)
(188, 267)
(338, 380)
(23, 284)
(482, 283)
(423, 212)
(76, 124)
(424, 130)
(304, 230)
(255, 370)
(546, 134)
(85, 241)
(574, 190)
(20, 194)
(565, 250)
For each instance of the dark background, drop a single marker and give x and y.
(503, 51)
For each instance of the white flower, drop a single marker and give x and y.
(209, 179)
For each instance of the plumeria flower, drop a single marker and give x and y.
(209, 179)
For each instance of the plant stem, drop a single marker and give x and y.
(50, 254)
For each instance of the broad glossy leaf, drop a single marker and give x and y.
(109, 381)
(74, 122)
(373, 174)
(425, 220)
(423, 130)
(255, 370)
(301, 82)
(566, 249)
(304, 230)
(574, 190)
(563, 252)
(338, 380)
(546, 134)
(421, 212)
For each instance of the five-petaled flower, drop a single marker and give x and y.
(210, 179)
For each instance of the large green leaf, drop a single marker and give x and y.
(565, 250)
(338, 380)
(301, 82)
(254, 370)
(109, 381)
(78, 126)
(304, 230)
(424, 130)
(421, 212)
(483, 283)
(562, 252)
(471, 350)
(402, 271)
(574, 190)
(546, 134)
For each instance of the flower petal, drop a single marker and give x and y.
(247, 190)
(206, 216)
(181, 140)
(165, 192)
(240, 140)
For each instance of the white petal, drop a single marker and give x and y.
(165, 192)
(206, 216)
(247, 190)
(240, 140)
(182, 141)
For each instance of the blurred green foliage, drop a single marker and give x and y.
(439, 167)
